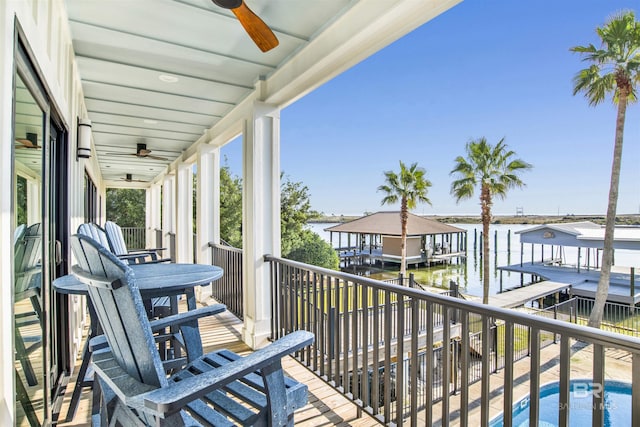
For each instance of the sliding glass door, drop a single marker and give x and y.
(29, 139)
(40, 221)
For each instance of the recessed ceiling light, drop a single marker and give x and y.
(167, 78)
(150, 121)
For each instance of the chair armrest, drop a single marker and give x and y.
(150, 250)
(188, 316)
(168, 400)
(132, 256)
(156, 249)
(140, 258)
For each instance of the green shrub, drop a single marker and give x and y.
(312, 249)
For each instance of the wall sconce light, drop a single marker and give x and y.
(84, 138)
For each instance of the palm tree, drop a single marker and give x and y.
(410, 186)
(615, 70)
(494, 170)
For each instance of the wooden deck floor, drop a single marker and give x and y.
(326, 407)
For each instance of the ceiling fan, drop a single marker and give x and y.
(142, 152)
(129, 178)
(260, 32)
(31, 141)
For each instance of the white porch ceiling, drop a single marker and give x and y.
(123, 47)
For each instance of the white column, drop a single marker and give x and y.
(207, 208)
(154, 196)
(261, 218)
(148, 217)
(168, 207)
(184, 214)
(208, 201)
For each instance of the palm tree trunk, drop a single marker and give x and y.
(404, 217)
(485, 203)
(607, 254)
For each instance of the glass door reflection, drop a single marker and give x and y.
(29, 135)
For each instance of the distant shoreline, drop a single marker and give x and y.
(629, 219)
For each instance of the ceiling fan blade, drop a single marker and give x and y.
(260, 32)
(149, 156)
(27, 143)
(121, 154)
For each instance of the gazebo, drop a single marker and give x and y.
(377, 237)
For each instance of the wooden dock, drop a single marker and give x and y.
(520, 296)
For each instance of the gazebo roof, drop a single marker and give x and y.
(388, 224)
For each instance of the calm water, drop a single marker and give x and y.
(469, 274)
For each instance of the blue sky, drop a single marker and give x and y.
(492, 68)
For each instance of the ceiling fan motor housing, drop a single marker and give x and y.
(33, 138)
(228, 4)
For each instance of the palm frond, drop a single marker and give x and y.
(492, 166)
(615, 63)
(409, 185)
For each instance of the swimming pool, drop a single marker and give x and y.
(617, 405)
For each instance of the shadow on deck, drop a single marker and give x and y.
(326, 407)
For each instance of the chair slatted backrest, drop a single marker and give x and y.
(116, 238)
(114, 293)
(27, 255)
(95, 232)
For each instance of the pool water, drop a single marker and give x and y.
(617, 405)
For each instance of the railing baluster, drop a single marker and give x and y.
(464, 370)
(565, 377)
(387, 355)
(413, 380)
(400, 360)
(375, 377)
(508, 375)
(446, 364)
(323, 325)
(307, 291)
(598, 384)
(345, 337)
(534, 377)
(486, 370)
(354, 342)
(364, 381)
(429, 363)
(635, 391)
(336, 346)
(314, 291)
(274, 301)
(330, 329)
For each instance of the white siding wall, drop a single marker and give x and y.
(46, 31)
